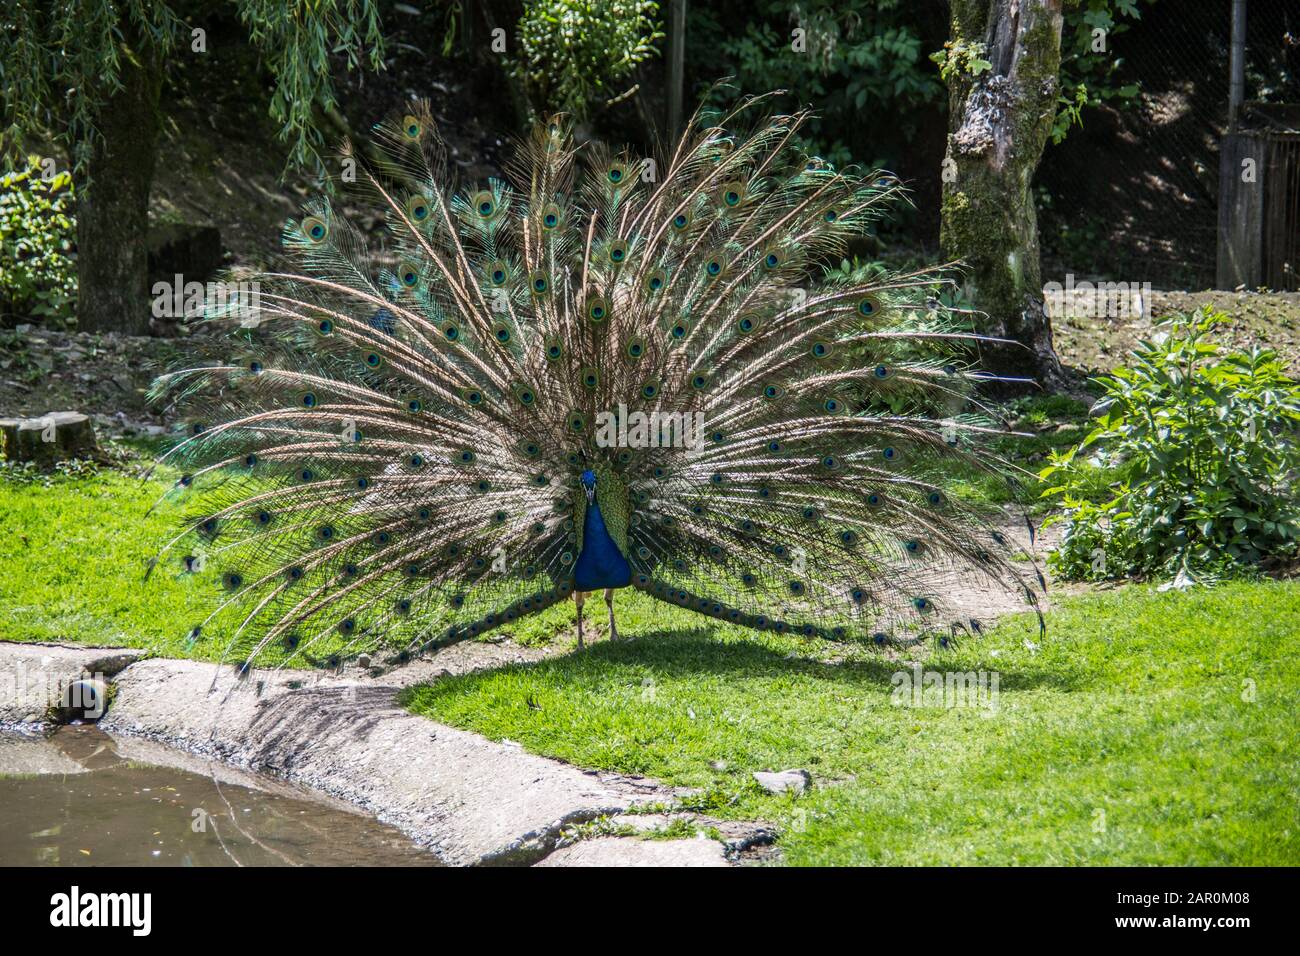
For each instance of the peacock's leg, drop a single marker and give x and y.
(578, 598)
(609, 601)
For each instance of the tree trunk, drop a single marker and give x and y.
(113, 203)
(54, 437)
(998, 124)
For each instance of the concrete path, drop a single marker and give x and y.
(623, 851)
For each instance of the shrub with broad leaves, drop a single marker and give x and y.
(1191, 466)
(38, 270)
(576, 55)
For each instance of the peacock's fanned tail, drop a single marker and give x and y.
(389, 454)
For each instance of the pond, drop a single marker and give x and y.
(79, 797)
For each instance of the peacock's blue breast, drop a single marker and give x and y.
(601, 564)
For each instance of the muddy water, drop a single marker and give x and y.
(79, 797)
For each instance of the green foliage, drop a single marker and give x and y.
(48, 49)
(1088, 60)
(1191, 466)
(574, 54)
(858, 59)
(297, 46)
(961, 56)
(38, 275)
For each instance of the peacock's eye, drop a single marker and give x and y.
(484, 204)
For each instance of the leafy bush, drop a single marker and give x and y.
(38, 274)
(1189, 469)
(858, 61)
(574, 53)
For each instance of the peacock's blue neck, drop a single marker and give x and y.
(601, 564)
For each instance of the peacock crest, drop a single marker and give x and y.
(407, 450)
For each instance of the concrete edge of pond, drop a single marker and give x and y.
(470, 800)
(35, 676)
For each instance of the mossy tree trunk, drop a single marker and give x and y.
(113, 204)
(999, 121)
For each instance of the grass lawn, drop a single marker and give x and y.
(73, 565)
(1123, 738)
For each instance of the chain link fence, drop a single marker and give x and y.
(1134, 194)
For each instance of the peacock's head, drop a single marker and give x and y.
(588, 479)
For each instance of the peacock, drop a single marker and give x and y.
(603, 371)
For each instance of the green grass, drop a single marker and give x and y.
(74, 562)
(79, 544)
(1123, 738)
(1043, 425)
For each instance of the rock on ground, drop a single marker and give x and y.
(796, 781)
